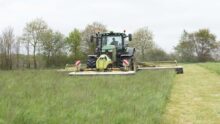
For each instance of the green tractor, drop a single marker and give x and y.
(113, 56)
(112, 52)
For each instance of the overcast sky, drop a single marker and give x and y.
(165, 18)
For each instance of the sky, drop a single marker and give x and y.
(165, 18)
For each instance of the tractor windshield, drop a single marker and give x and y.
(112, 40)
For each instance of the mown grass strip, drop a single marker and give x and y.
(195, 97)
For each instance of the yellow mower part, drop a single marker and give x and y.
(102, 62)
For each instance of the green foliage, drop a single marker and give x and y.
(143, 42)
(74, 40)
(196, 46)
(91, 29)
(33, 33)
(48, 97)
(157, 54)
(185, 49)
(53, 45)
(146, 49)
(7, 39)
(205, 43)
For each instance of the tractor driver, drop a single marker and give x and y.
(114, 42)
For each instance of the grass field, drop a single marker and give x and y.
(213, 67)
(49, 97)
(195, 96)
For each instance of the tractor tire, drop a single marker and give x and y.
(91, 62)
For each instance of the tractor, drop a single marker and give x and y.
(113, 56)
(112, 52)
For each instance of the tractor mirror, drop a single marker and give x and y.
(91, 38)
(129, 37)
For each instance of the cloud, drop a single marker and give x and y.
(166, 19)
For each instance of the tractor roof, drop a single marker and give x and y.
(112, 33)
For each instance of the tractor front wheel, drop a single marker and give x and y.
(91, 62)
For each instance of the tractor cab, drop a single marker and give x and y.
(108, 42)
(115, 40)
(111, 48)
(111, 44)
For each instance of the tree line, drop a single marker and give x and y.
(41, 47)
(198, 46)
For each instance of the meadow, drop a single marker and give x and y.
(50, 97)
(149, 97)
(212, 66)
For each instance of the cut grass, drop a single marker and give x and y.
(195, 97)
(48, 97)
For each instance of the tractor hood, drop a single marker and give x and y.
(108, 48)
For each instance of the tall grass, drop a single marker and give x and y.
(49, 97)
(212, 66)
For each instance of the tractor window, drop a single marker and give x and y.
(112, 40)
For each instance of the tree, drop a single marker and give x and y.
(216, 53)
(90, 30)
(1, 52)
(47, 45)
(142, 41)
(53, 45)
(33, 33)
(7, 41)
(157, 54)
(25, 39)
(74, 40)
(59, 53)
(185, 49)
(205, 43)
(17, 51)
(197, 46)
